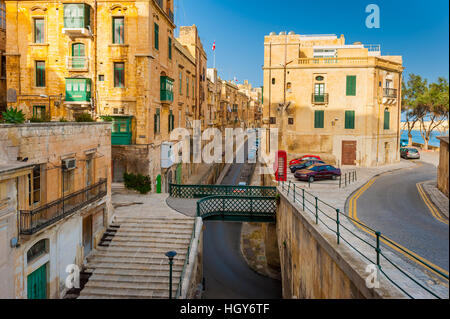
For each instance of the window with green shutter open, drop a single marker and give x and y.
(170, 48)
(350, 120)
(351, 85)
(156, 120)
(39, 30)
(387, 119)
(319, 119)
(118, 30)
(156, 36)
(40, 73)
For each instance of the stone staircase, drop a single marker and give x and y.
(132, 264)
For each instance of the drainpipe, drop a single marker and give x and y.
(95, 60)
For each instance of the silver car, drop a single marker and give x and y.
(409, 153)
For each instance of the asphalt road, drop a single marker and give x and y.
(394, 206)
(227, 275)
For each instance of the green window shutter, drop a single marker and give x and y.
(40, 73)
(351, 85)
(181, 83)
(350, 120)
(170, 48)
(118, 30)
(387, 120)
(156, 36)
(319, 119)
(39, 29)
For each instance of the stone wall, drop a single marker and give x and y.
(313, 266)
(443, 171)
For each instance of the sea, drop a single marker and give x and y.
(417, 137)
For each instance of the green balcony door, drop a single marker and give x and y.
(37, 283)
(78, 55)
(158, 184)
(319, 92)
(121, 133)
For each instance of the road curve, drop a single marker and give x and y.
(394, 206)
(226, 273)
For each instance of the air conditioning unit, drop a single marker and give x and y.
(69, 164)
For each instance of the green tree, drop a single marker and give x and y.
(432, 108)
(415, 87)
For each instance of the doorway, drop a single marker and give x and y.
(87, 235)
(37, 283)
(348, 152)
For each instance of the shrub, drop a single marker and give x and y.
(13, 116)
(107, 118)
(84, 117)
(138, 182)
(45, 118)
(62, 119)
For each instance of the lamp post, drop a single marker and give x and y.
(170, 255)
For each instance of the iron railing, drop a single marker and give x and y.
(31, 221)
(160, 3)
(171, 16)
(388, 92)
(77, 63)
(199, 191)
(319, 98)
(186, 262)
(232, 208)
(335, 221)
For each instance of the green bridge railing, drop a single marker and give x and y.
(199, 191)
(375, 252)
(238, 208)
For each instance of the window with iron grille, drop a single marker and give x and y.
(273, 120)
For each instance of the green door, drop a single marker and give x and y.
(158, 184)
(37, 283)
(78, 56)
(178, 173)
(121, 131)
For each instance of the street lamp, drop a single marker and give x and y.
(170, 255)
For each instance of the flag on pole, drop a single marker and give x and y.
(214, 46)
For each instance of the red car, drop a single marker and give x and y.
(304, 158)
(318, 171)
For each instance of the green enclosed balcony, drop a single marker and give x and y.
(166, 86)
(78, 90)
(77, 19)
(121, 130)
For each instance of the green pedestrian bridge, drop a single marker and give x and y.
(231, 203)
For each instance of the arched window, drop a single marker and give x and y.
(38, 249)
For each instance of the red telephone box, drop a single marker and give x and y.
(281, 166)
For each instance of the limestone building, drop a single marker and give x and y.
(337, 100)
(2, 56)
(55, 203)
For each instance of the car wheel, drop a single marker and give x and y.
(311, 179)
(334, 177)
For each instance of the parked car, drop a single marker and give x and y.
(240, 190)
(304, 158)
(317, 172)
(409, 153)
(403, 142)
(304, 164)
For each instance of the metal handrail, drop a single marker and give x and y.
(314, 208)
(191, 191)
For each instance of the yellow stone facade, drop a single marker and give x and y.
(305, 75)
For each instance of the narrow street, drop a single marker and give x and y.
(393, 204)
(227, 275)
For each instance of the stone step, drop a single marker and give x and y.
(137, 285)
(132, 280)
(143, 240)
(163, 272)
(140, 250)
(151, 228)
(156, 231)
(104, 293)
(137, 245)
(126, 234)
(133, 266)
(153, 220)
(160, 260)
(124, 255)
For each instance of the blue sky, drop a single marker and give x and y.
(416, 29)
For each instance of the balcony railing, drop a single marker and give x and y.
(319, 98)
(160, 3)
(171, 16)
(77, 63)
(31, 221)
(388, 92)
